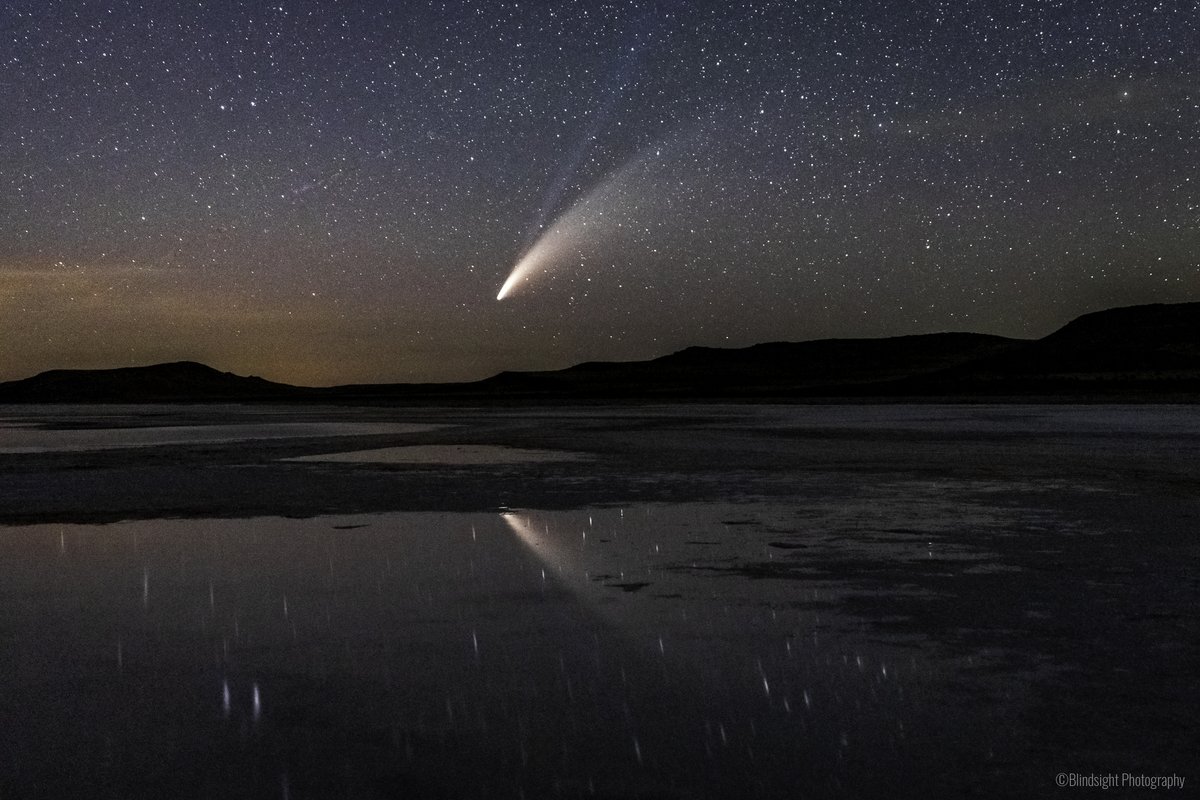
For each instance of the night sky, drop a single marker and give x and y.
(324, 192)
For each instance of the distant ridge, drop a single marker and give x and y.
(180, 381)
(1130, 349)
(774, 368)
(1138, 352)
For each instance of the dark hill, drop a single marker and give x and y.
(780, 369)
(1151, 346)
(1141, 352)
(182, 381)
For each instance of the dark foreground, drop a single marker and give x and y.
(611, 602)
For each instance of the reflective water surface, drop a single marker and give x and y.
(729, 603)
(27, 438)
(443, 454)
(544, 654)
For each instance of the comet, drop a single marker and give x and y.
(563, 238)
(596, 217)
(550, 249)
(537, 254)
(549, 242)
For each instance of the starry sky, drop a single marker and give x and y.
(329, 192)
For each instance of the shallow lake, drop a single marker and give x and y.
(723, 602)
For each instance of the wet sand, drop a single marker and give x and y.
(712, 601)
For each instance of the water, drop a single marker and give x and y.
(452, 454)
(726, 603)
(477, 654)
(26, 438)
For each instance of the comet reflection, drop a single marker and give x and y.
(588, 573)
(550, 550)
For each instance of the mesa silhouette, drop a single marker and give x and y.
(1149, 352)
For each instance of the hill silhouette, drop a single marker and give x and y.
(1137, 352)
(1130, 349)
(180, 381)
(772, 369)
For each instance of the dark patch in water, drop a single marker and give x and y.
(628, 587)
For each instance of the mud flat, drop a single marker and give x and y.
(717, 601)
